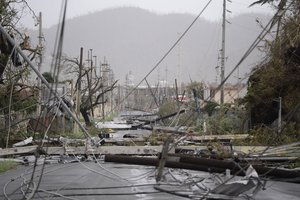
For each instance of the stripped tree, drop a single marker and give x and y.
(93, 93)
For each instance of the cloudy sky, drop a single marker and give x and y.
(51, 8)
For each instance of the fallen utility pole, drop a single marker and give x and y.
(35, 69)
(158, 119)
(207, 165)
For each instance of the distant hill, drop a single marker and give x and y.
(134, 39)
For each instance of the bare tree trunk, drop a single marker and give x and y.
(85, 116)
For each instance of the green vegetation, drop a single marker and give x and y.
(17, 98)
(277, 76)
(7, 165)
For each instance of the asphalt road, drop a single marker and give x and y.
(86, 180)
(90, 180)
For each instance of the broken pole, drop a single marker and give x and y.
(163, 158)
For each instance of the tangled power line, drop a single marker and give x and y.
(32, 187)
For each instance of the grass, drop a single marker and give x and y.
(7, 165)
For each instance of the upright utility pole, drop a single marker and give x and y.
(91, 80)
(179, 67)
(279, 115)
(104, 68)
(78, 98)
(95, 66)
(39, 82)
(223, 53)
(91, 59)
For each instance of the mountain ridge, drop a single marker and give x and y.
(133, 39)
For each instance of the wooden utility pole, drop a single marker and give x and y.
(112, 79)
(47, 85)
(95, 67)
(223, 53)
(91, 81)
(78, 98)
(163, 158)
(104, 68)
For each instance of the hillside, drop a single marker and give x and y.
(134, 40)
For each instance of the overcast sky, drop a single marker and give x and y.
(51, 8)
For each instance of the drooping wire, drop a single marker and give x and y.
(56, 68)
(260, 37)
(166, 54)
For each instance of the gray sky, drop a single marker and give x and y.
(51, 8)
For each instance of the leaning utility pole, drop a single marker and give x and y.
(47, 85)
(223, 53)
(163, 158)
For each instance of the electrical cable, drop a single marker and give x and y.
(122, 178)
(92, 170)
(167, 53)
(36, 158)
(27, 173)
(128, 179)
(9, 112)
(41, 145)
(62, 187)
(110, 194)
(259, 38)
(114, 187)
(56, 194)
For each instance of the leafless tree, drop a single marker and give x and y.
(93, 92)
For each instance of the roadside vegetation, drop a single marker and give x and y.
(7, 165)
(277, 77)
(273, 82)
